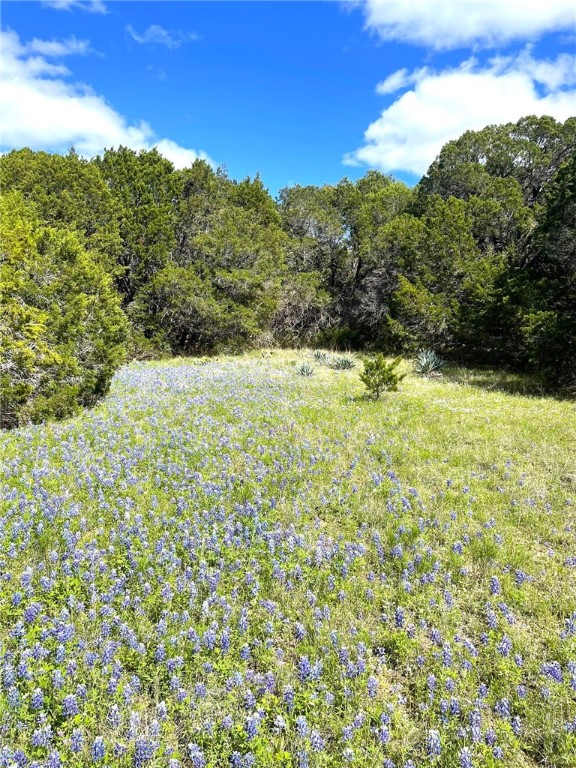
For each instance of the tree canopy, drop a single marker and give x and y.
(126, 255)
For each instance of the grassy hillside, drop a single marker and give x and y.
(230, 564)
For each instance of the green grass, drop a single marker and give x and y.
(392, 531)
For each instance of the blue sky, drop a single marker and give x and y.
(303, 92)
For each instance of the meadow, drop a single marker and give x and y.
(226, 563)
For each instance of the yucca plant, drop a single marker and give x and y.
(428, 362)
(305, 370)
(342, 363)
(320, 356)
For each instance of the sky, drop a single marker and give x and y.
(301, 92)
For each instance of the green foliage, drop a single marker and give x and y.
(63, 332)
(427, 361)
(67, 193)
(529, 151)
(144, 186)
(342, 363)
(477, 262)
(549, 326)
(301, 310)
(180, 309)
(305, 370)
(419, 315)
(379, 375)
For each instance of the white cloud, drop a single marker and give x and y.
(69, 47)
(92, 6)
(446, 24)
(41, 110)
(157, 35)
(400, 79)
(442, 105)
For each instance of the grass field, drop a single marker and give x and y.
(230, 564)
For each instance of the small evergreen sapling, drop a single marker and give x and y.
(380, 376)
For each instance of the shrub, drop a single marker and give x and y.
(381, 376)
(428, 361)
(63, 330)
(180, 310)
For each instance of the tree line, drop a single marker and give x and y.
(124, 256)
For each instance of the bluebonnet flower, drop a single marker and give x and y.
(196, 755)
(13, 697)
(347, 732)
(252, 726)
(433, 744)
(505, 646)
(144, 751)
(502, 708)
(76, 740)
(490, 737)
(317, 742)
(288, 696)
(37, 699)
(98, 749)
(200, 690)
(303, 759)
(70, 706)
(54, 760)
(372, 686)
(304, 668)
(42, 736)
(299, 631)
(553, 670)
(302, 725)
(383, 734)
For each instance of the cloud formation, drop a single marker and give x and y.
(42, 110)
(440, 106)
(57, 48)
(92, 6)
(157, 35)
(445, 24)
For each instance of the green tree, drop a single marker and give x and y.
(145, 189)
(67, 193)
(183, 313)
(549, 325)
(62, 330)
(529, 151)
(379, 376)
(318, 235)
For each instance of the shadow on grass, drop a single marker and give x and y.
(500, 381)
